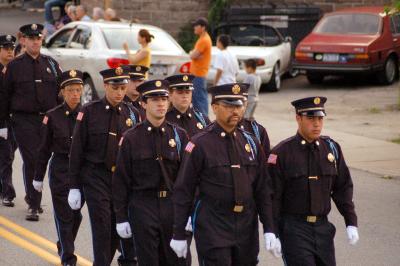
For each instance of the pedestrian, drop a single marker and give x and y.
(225, 63)
(143, 56)
(137, 76)
(254, 81)
(201, 59)
(99, 127)
(56, 137)
(226, 166)
(181, 112)
(98, 14)
(110, 15)
(147, 166)
(7, 141)
(48, 6)
(307, 171)
(81, 13)
(31, 84)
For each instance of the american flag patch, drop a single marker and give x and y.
(189, 147)
(45, 120)
(80, 116)
(120, 141)
(272, 158)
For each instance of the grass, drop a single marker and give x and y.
(396, 140)
(374, 110)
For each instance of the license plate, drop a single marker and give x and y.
(158, 70)
(330, 58)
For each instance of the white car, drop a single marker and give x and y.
(93, 46)
(263, 43)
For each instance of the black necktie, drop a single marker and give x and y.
(37, 76)
(314, 180)
(112, 142)
(238, 182)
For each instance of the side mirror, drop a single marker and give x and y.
(288, 39)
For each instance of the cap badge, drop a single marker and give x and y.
(129, 122)
(317, 100)
(8, 38)
(172, 143)
(236, 89)
(199, 125)
(331, 158)
(138, 68)
(72, 73)
(34, 27)
(185, 78)
(158, 83)
(119, 71)
(247, 147)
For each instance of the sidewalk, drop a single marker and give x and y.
(363, 153)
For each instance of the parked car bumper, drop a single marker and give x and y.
(337, 68)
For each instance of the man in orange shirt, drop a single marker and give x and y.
(201, 58)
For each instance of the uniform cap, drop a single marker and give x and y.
(232, 93)
(32, 30)
(71, 77)
(154, 88)
(119, 75)
(310, 106)
(137, 72)
(181, 82)
(7, 40)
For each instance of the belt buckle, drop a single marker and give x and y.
(311, 219)
(238, 208)
(113, 168)
(162, 194)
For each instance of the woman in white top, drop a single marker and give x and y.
(225, 62)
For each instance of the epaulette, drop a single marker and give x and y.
(283, 142)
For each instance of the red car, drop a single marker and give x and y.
(355, 40)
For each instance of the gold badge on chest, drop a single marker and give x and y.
(172, 143)
(129, 122)
(247, 147)
(199, 125)
(331, 158)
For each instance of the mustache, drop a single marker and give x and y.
(230, 118)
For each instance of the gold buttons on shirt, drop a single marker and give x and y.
(149, 129)
(331, 158)
(242, 127)
(66, 113)
(223, 134)
(190, 115)
(303, 142)
(247, 147)
(317, 142)
(162, 130)
(129, 122)
(178, 116)
(107, 107)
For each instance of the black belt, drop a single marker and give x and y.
(229, 206)
(151, 193)
(313, 219)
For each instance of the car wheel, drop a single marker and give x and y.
(315, 78)
(89, 91)
(275, 82)
(389, 73)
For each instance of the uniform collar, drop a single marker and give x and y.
(304, 143)
(150, 128)
(179, 115)
(221, 132)
(109, 106)
(30, 58)
(68, 111)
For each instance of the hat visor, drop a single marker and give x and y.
(136, 78)
(7, 45)
(117, 81)
(156, 94)
(189, 88)
(71, 82)
(314, 113)
(234, 102)
(33, 34)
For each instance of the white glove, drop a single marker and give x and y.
(124, 230)
(352, 234)
(179, 247)
(37, 185)
(278, 249)
(270, 240)
(189, 225)
(4, 133)
(74, 199)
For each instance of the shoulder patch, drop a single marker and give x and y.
(272, 158)
(79, 116)
(45, 120)
(189, 147)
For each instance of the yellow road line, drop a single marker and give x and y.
(32, 248)
(38, 239)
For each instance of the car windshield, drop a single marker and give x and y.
(250, 35)
(367, 24)
(115, 37)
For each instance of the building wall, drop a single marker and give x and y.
(171, 15)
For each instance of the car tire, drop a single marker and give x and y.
(315, 78)
(89, 91)
(275, 83)
(389, 73)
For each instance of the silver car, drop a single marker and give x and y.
(93, 46)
